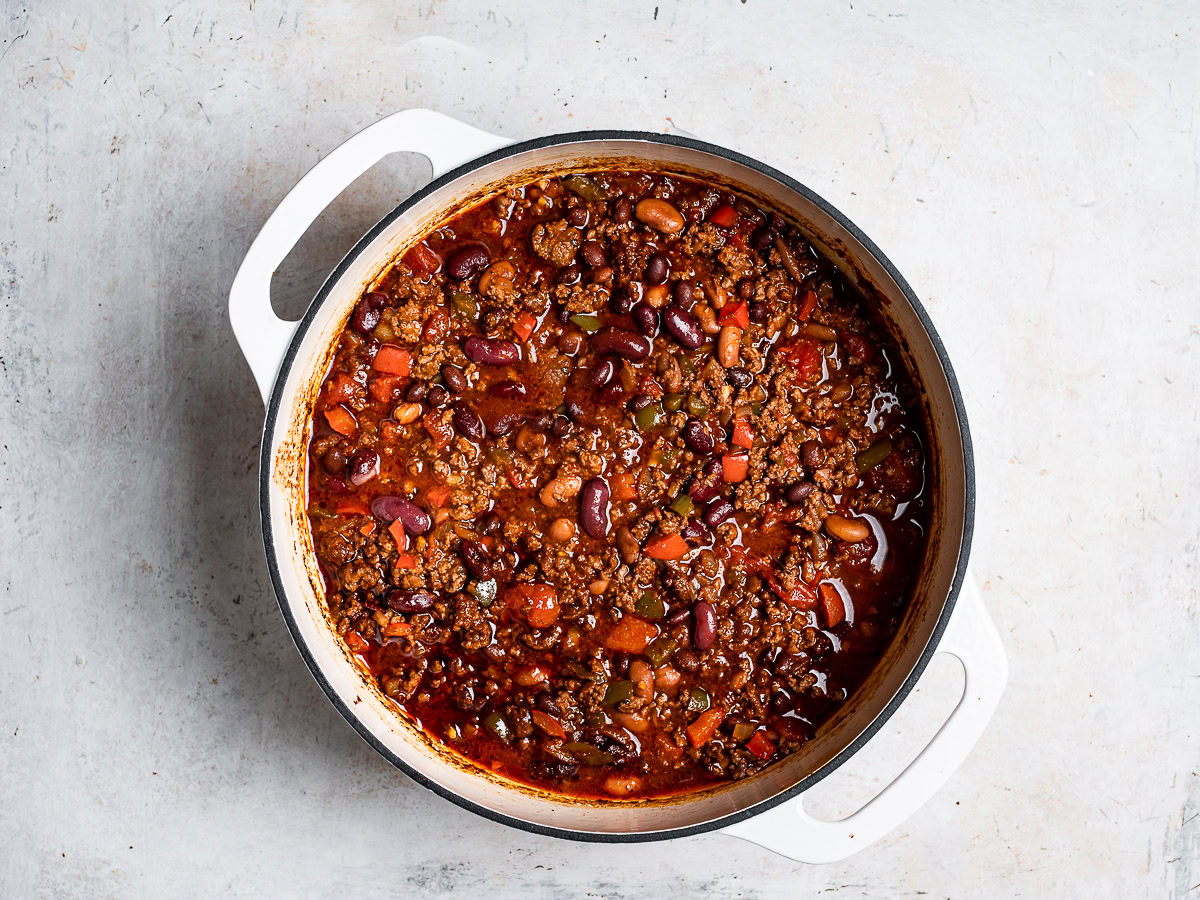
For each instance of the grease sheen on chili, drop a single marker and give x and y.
(618, 487)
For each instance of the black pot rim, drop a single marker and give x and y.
(274, 403)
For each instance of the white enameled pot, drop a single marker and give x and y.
(288, 360)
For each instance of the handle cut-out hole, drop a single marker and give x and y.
(368, 199)
(896, 744)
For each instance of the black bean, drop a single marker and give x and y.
(570, 274)
(602, 373)
(781, 702)
(455, 378)
(562, 314)
(364, 466)
(696, 436)
(717, 512)
(798, 491)
(467, 421)
(615, 342)
(507, 389)
(334, 461)
(758, 313)
(622, 211)
(704, 628)
(745, 288)
(411, 601)
(712, 468)
(683, 327)
(492, 321)
(687, 660)
(620, 302)
(490, 522)
(679, 617)
(762, 239)
(540, 419)
(749, 210)
(437, 396)
(575, 411)
(810, 454)
(491, 351)
(738, 377)
(656, 269)
(645, 317)
(684, 293)
(476, 558)
(368, 312)
(561, 426)
(416, 391)
(577, 216)
(593, 508)
(504, 423)
(464, 263)
(593, 254)
(396, 509)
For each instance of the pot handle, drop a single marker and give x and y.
(789, 830)
(445, 142)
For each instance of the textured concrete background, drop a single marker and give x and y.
(1032, 168)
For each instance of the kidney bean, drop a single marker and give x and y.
(491, 351)
(704, 627)
(847, 529)
(560, 427)
(798, 491)
(761, 239)
(467, 421)
(620, 302)
(660, 215)
(416, 392)
(570, 275)
(702, 493)
(477, 560)
(334, 461)
(738, 377)
(593, 508)
(368, 312)
(622, 210)
(696, 436)
(639, 402)
(490, 522)
(437, 396)
(615, 342)
(577, 216)
(504, 423)
(507, 389)
(455, 378)
(645, 317)
(411, 601)
(717, 512)
(336, 486)
(540, 419)
(574, 411)
(745, 288)
(683, 327)
(364, 466)
(603, 275)
(684, 293)
(388, 508)
(758, 313)
(695, 530)
(469, 260)
(749, 210)
(602, 373)
(593, 254)
(627, 546)
(687, 660)
(656, 269)
(810, 454)
(679, 617)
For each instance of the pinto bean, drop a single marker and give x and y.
(660, 215)
(729, 346)
(559, 490)
(561, 530)
(407, 413)
(593, 508)
(850, 530)
(627, 546)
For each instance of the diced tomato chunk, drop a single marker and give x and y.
(437, 495)
(340, 389)
(356, 642)
(437, 326)
(440, 432)
(743, 434)
(761, 745)
(399, 535)
(421, 259)
(536, 603)
(807, 307)
(367, 527)
(666, 546)
(341, 420)
(523, 326)
(735, 314)
(407, 561)
(624, 487)
(700, 732)
(801, 595)
(735, 467)
(724, 215)
(384, 387)
(392, 360)
(805, 358)
(352, 508)
(631, 635)
(833, 609)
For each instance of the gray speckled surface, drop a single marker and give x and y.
(1032, 169)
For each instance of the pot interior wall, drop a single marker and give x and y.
(302, 597)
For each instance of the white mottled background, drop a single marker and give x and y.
(1031, 167)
